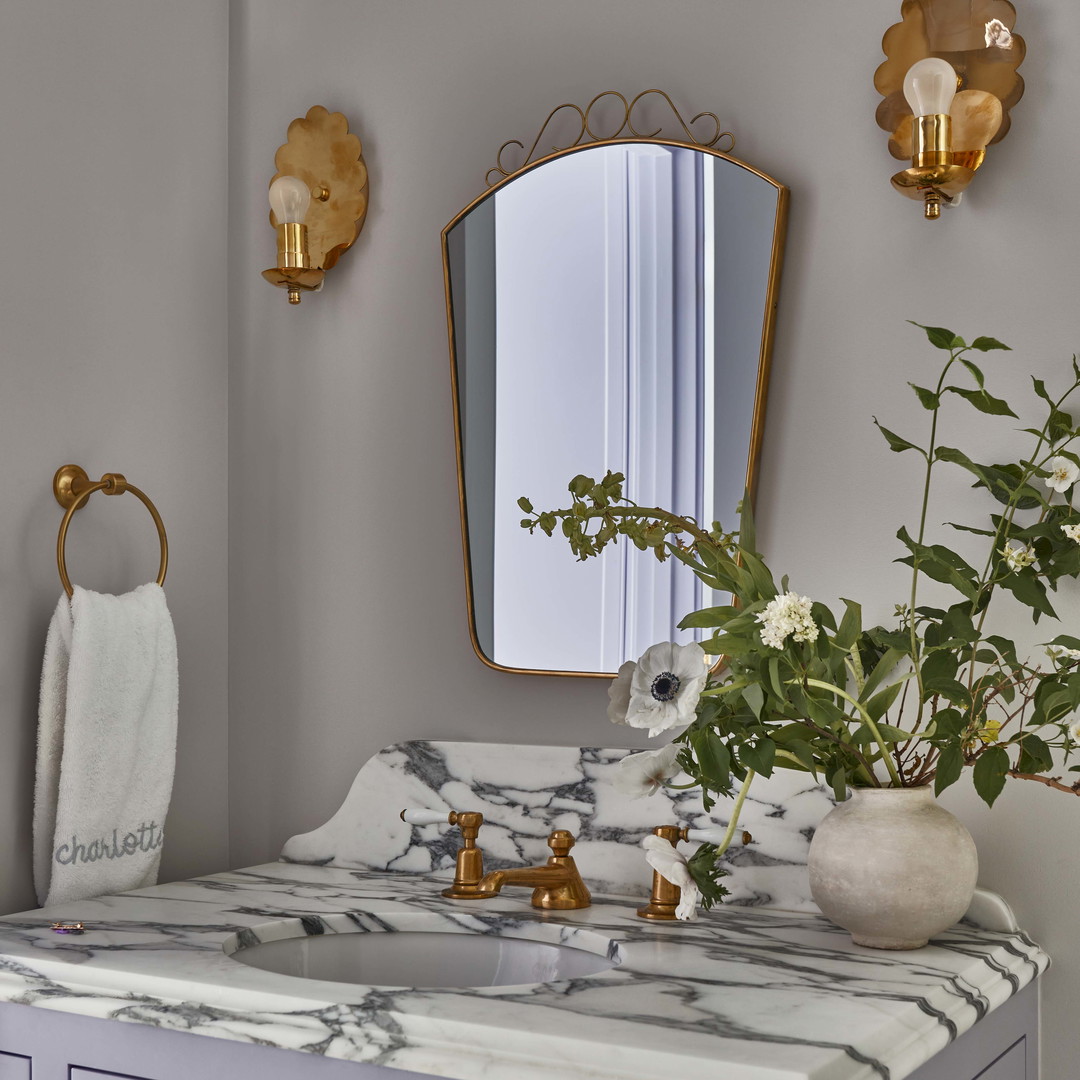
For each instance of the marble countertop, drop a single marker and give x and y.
(771, 995)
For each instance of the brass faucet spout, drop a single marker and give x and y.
(491, 884)
(556, 885)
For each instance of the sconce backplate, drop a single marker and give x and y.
(956, 31)
(321, 152)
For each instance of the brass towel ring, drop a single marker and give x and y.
(72, 487)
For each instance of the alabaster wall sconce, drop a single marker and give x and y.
(947, 85)
(318, 200)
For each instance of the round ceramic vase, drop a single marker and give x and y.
(892, 867)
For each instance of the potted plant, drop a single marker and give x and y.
(897, 713)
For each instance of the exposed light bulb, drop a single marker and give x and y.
(290, 198)
(929, 87)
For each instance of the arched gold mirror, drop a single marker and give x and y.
(611, 306)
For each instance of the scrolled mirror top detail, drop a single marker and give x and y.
(616, 122)
(611, 306)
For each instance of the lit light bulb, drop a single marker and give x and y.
(929, 87)
(290, 198)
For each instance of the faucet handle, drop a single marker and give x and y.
(469, 861)
(714, 835)
(560, 842)
(426, 817)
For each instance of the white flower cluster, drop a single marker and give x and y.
(1072, 532)
(1017, 558)
(787, 615)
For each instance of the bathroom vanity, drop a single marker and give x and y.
(761, 993)
(497, 989)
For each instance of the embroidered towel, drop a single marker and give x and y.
(106, 744)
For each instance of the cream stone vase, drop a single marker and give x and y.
(892, 867)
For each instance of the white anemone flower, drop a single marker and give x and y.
(672, 866)
(645, 773)
(619, 693)
(1074, 733)
(665, 686)
(1016, 558)
(1072, 532)
(1063, 473)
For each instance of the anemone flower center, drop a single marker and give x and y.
(665, 686)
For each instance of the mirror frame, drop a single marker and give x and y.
(764, 357)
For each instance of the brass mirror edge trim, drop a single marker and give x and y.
(757, 427)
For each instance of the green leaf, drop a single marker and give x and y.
(927, 398)
(976, 374)
(773, 671)
(804, 752)
(713, 757)
(884, 667)
(707, 617)
(983, 401)
(706, 875)
(989, 773)
(897, 444)
(880, 704)
(949, 766)
(838, 781)
(1035, 755)
(1060, 426)
(1040, 389)
(759, 756)
(525, 505)
(985, 344)
(850, 626)
(580, 485)
(754, 696)
(939, 337)
(1028, 589)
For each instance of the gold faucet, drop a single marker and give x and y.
(557, 885)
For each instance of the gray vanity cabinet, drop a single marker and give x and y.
(1003, 1046)
(40, 1044)
(14, 1067)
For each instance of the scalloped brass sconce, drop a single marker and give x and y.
(318, 200)
(948, 83)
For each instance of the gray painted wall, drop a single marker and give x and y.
(346, 583)
(346, 591)
(113, 355)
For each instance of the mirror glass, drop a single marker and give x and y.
(611, 307)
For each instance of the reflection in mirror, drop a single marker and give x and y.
(611, 308)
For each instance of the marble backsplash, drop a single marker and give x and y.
(526, 791)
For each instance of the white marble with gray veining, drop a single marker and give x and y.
(746, 993)
(526, 791)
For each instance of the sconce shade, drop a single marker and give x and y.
(947, 84)
(955, 31)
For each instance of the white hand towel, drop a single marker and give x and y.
(106, 744)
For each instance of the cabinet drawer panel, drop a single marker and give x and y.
(14, 1067)
(1012, 1065)
(77, 1073)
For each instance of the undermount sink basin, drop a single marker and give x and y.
(428, 954)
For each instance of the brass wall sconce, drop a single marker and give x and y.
(948, 83)
(318, 200)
